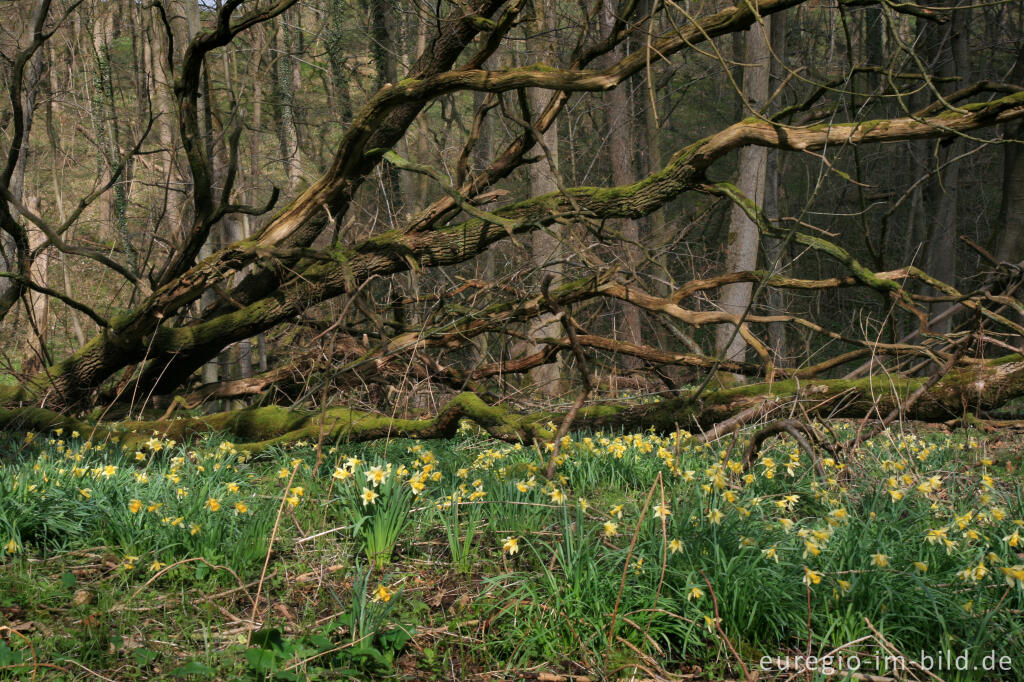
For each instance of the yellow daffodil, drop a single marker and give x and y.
(694, 593)
(213, 504)
(376, 476)
(1013, 574)
(811, 577)
(511, 545)
(134, 506)
(382, 594)
(880, 560)
(369, 496)
(675, 545)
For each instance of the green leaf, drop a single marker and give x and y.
(144, 656)
(193, 668)
(268, 639)
(9, 656)
(260, 660)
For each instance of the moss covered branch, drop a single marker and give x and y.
(963, 389)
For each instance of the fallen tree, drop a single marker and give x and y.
(961, 393)
(200, 300)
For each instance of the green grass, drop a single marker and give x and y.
(416, 559)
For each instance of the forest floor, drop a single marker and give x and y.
(646, 557)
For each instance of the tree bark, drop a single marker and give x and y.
(546, 245)
(1010, 221)
(776, 254)
(284, 106)
(336, 45)
(741, 245)
(621, 149)
(945, 49)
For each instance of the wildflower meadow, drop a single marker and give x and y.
(645, 556)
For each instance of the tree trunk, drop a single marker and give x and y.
(37, 303)
(742, 241)
(384, 51)
(336, 46)
(166, 132)
(619, 124)
(108, 134)
(1010, 221)
(944, 49)
(546, 244)
(776, 256)
(284, 107)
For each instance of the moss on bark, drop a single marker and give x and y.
(257, 429)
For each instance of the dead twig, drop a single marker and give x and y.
(570, 329)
